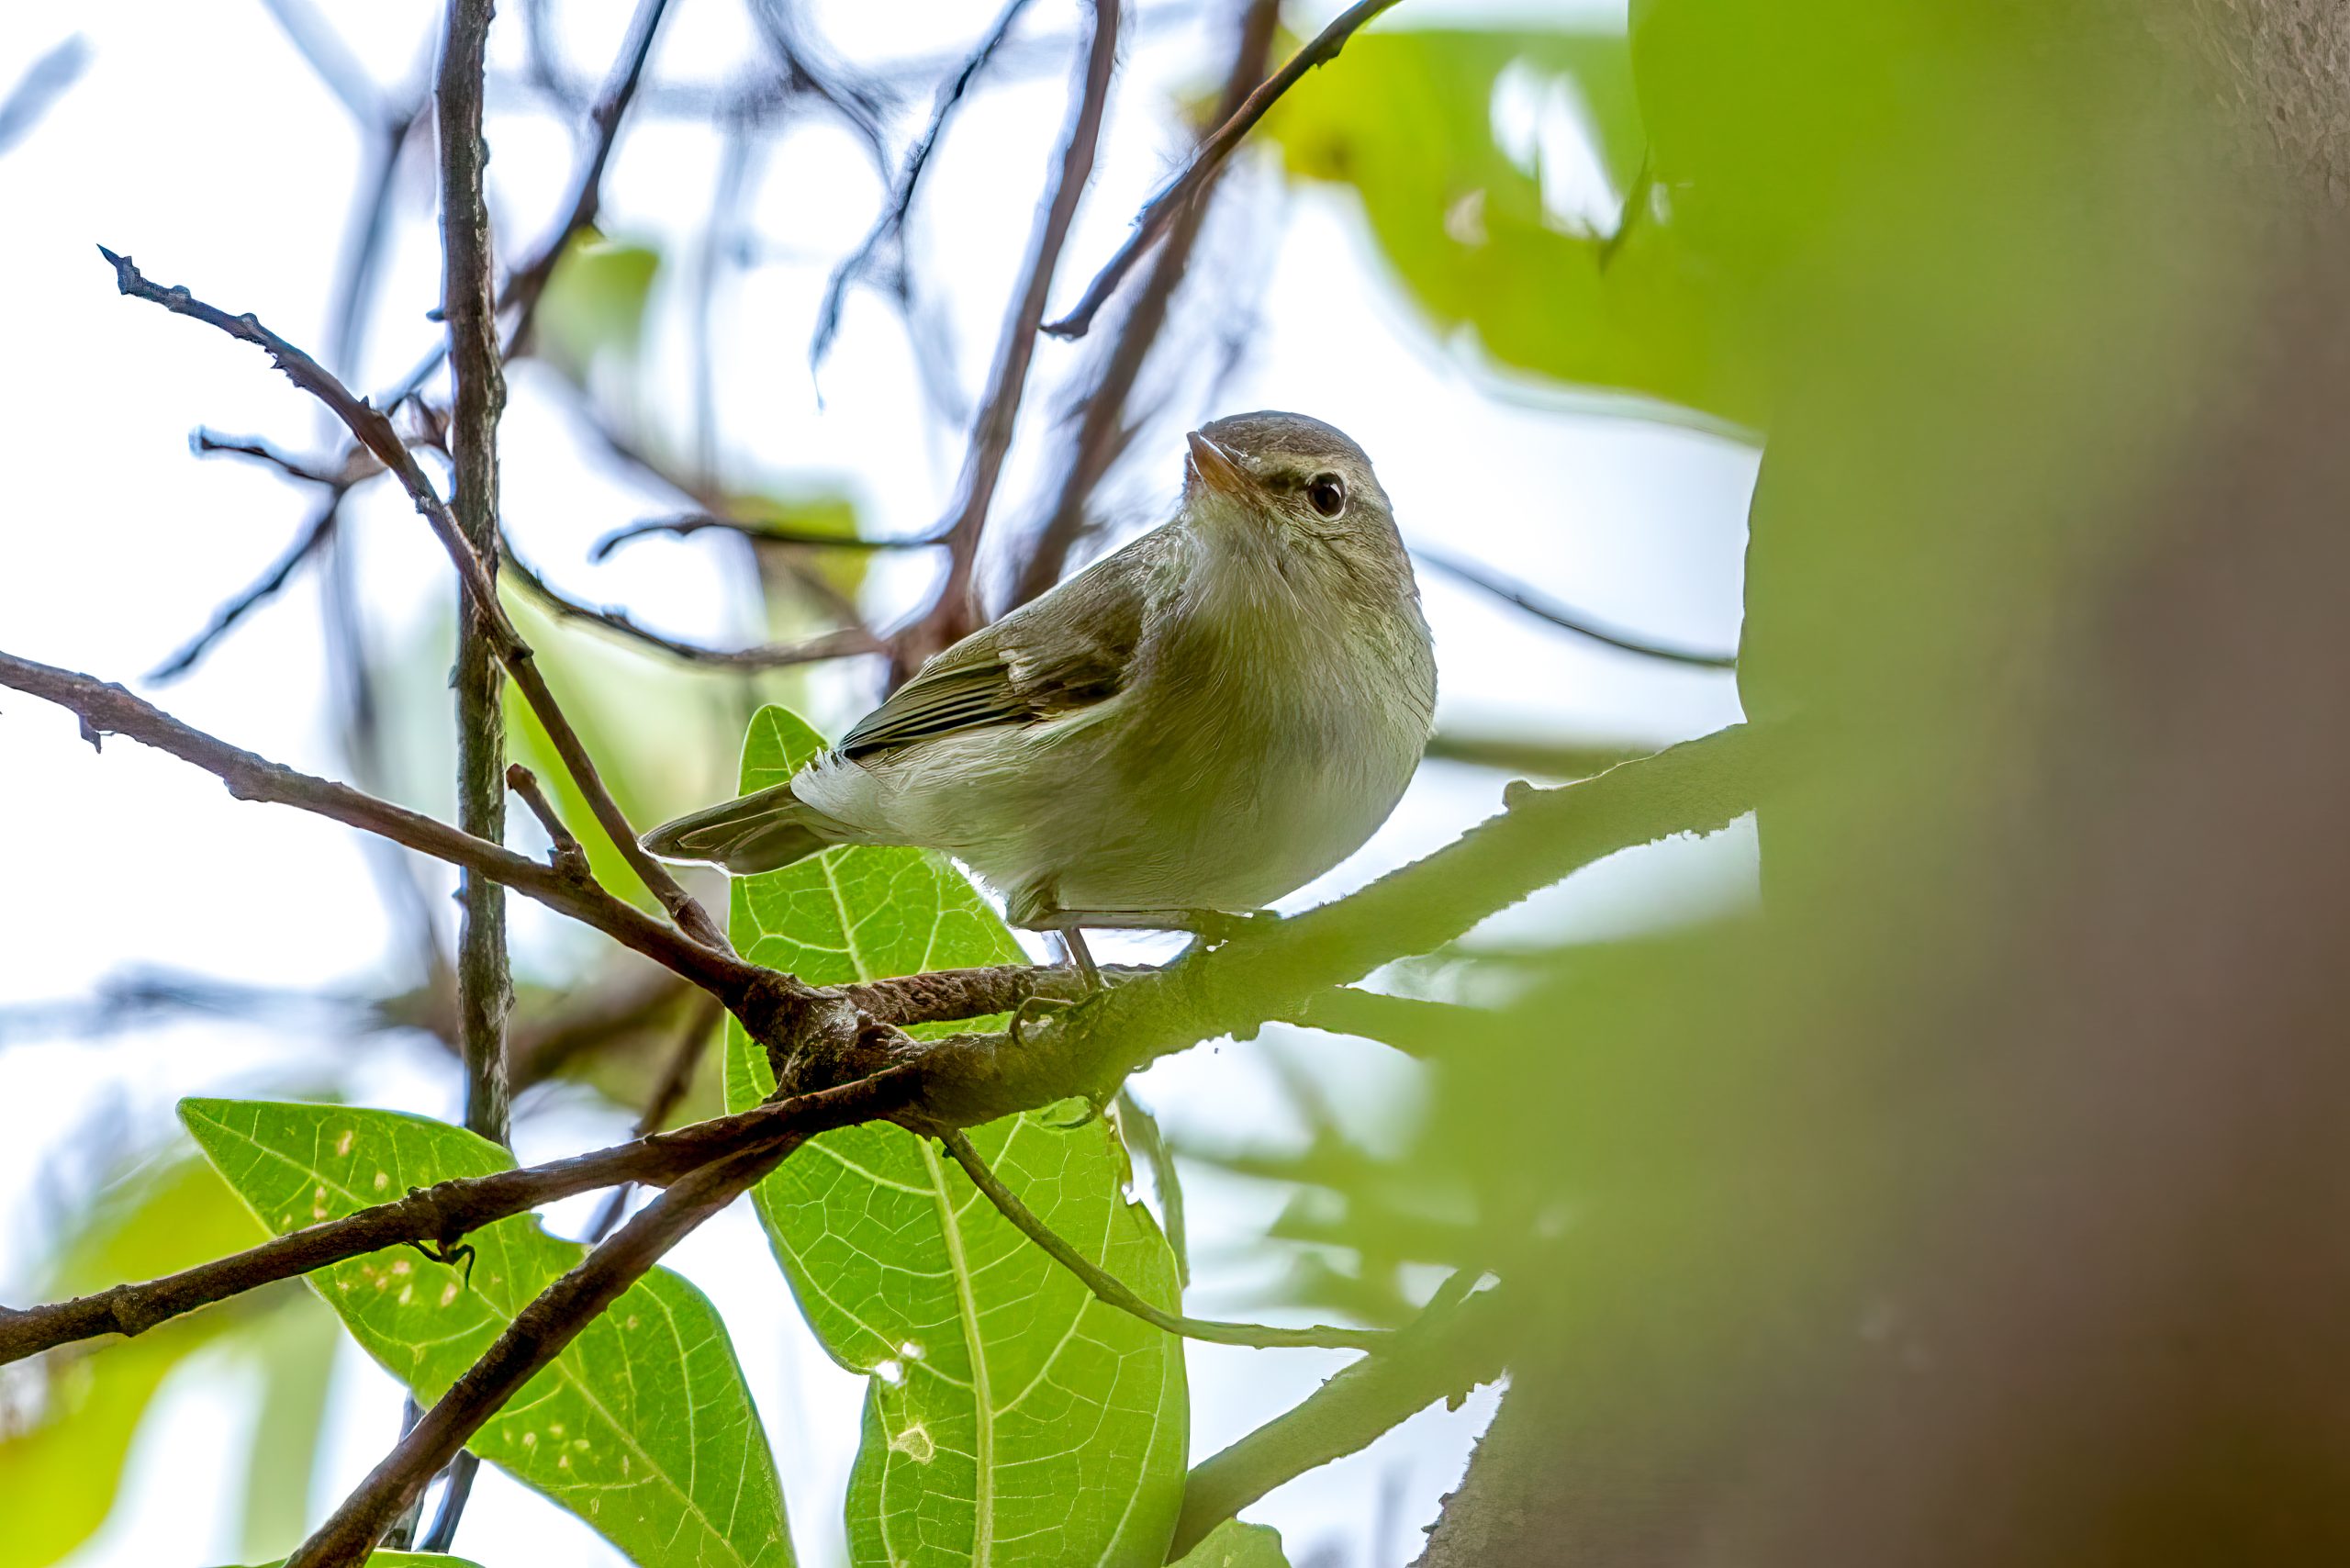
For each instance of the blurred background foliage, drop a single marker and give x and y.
(1961, 270)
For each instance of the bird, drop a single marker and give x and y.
(1192, 727)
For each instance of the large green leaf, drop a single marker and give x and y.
(642, 1426)
(1407, 121)
(1010, 1418)
(1234, 1545)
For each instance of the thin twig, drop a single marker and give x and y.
(375, 431)
(692, 522)
(1535, 757)
(206, 443)
(566, 853)
(692, 1043)
(889, 227)
(1103, 427)
(1108, 1289)
(263, 588)
(956, 613)
(1557, 614)
(1453, 1347)
(1142, 1132)
(845, 643)
(37, 90)
(1160, 210)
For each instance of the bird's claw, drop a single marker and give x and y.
(1034, 1005)
(1215, 927)
(449, 1255)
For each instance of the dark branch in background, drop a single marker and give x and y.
(1105, 426)
(693, 1041)
(375, 431)
(525, 287)
(765, 532)
(888, 230)
(1452, 1349)
(1557, 614)
(1113, 1292)
(207, 443)
(845, 643)
(485, 987)
(263, 587)
(956, 613)
(37, 90)
(1160, 210)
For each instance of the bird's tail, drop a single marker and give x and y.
(757, 833)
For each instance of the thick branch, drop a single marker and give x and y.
(375, 431)
(1112, 1291)
(485, 990)
(1441, 1358)
(956, 613)
(1159, 212)
(442, 1215)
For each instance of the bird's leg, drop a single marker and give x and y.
(1073, 940)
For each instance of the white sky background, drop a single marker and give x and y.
(200, 144)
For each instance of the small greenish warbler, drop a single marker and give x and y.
(1189, 729)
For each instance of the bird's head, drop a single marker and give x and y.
(1290, 483)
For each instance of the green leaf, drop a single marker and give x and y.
(60, 1470)
(642, 1426)
(1407, 120)
(1234, 1545)
(1011, 1417)
(595, 302)
(404, 1560)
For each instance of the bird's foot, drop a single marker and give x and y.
(1038, 1006)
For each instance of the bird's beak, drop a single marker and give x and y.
(1216, 468)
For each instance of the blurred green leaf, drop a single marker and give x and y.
(1414, 123)
(595, 302)
(297, 1360)
(60, 1473)
(642, 1426)
(1234, 1545)
(1005, 1403)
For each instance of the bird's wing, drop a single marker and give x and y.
(1066, 651)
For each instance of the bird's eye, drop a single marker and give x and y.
(1329, 494)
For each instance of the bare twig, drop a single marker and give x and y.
(956, 612)
(1557, 614)
(692, 1043)
(375, 431)
(688, 523)
(845, 643)
(263, 588)
(566, 853)
(1108, 1289)
(206, 443)
(1450, 1350)
(1103, 426)
(1538, 759)
(528, 284)
(1408, 1023)
(889, 228)
(1160, 210)
(485, 987)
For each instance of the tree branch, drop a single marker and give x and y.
(1546, 608)
(956, 612)
(1103, 428)
(766, 532)
(1108, 1289)
(485, 987)
(263, 588)
(847, 642)
(375, 433)
(1160, 210)
(442, 1214)
(1444, 1355)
